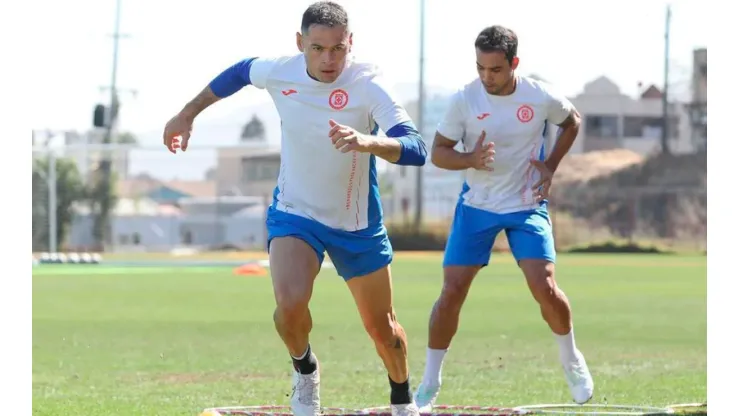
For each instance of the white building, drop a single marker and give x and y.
(250, 170)
(613, 120)
(144, 224)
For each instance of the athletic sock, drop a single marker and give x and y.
(400, 392)
(433, 368)
(306, 363)
(567, 344)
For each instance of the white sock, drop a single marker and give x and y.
(567, 344)
(433, 369)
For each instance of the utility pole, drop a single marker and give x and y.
(51, 181)
(666, 64)
(101, 227)
(420, 119)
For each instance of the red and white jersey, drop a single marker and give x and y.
(316, 180)
(517, 125)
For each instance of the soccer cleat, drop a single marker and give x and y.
(404, 410)
(579, 379)
(305, 400)
(425, 397)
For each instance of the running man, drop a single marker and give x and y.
(327, 198)
(501, 119)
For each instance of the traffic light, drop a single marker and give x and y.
(99, 116)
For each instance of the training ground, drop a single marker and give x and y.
(169, 340)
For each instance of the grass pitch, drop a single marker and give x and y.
(173, 341)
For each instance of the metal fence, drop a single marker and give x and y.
(216, 198)
(673, 218)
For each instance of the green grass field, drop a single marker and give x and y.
(173, 341)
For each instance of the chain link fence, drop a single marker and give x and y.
(216, 199)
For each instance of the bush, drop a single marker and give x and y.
(406, 238)
(619, 247)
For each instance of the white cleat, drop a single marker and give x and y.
(305, 400)
(425, 397)
(404, 410)
(579, 380)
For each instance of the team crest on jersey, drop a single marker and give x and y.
(338, 99)
(525, 113)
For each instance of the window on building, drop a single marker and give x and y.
(249, 170)
(259, 169)
(186, 236)
(268, 170)
(648, 127)
(602, 126)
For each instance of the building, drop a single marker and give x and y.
(614, 120)
(146, 214)
(223, 221)
(152, 215)
(136, 224)
(247, 170)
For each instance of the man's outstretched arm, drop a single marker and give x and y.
(177, 131)
(227, 83)
(201, 101)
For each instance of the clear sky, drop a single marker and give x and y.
(175, 47)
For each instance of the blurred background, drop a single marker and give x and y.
(103, 181)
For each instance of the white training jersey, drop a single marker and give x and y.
(517, 125)
(316, 180)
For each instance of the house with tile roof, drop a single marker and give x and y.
(154, 215)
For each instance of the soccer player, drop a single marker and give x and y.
(327, 198)
(501, 119)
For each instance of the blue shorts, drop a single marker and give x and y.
(474, 230)
(353, 253)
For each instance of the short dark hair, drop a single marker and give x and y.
(498, 39)
(324, 13)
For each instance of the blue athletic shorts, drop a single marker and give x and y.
(353, 253)
(474, 231)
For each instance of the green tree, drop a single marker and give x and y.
(126, 138)
(102, 192)
(69, 189)
(254, 130)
